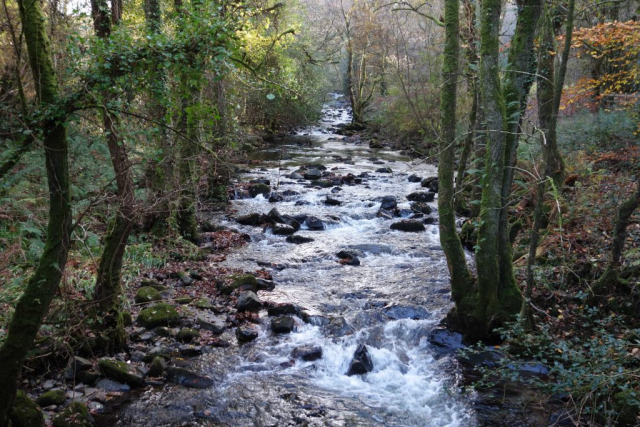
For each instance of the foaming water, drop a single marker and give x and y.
(390, 302)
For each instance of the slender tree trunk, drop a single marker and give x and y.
(188, 125)
(466, 151)
(43, 284)
(461, 279)
(108, 289)
(161, 173)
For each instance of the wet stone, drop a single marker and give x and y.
(308, 353)
(388, 203)
(296, 239)
(282, 229)
(282, 325)
(248, 301)
(330, 201)
(246, 334)
(283, 308)
(313, 174)
(361, 363)
(408, 225)
(190, 350)
(187, 378)
(421, 196)
(414, 178)
(313, 223)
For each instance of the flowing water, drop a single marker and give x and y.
(390, 302)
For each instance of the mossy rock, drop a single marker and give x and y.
(246, 282)
(324, 183)
(161, 314)
(257, 189)
(120, 371)
(147, 294)
(25, 412)
(187, 335)
(183, 300)
(76, 415)
(157, 367)
(52, 397)
(203, 304)
(127, 319)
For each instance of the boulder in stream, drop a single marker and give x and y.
(282, 229)
(384, 170)
(431, 183)
(282, 325)
(348, 258)
(246, 334)
(296, 175)
(248, 301)
(276, 217)
(187, 378)
(298, 239)
(253, 219)
(314, 223)
(361, 362)
(308, 352)
(414, 178)
(388, 203)
(282, 308)
(330, 201)
(312, 174)
(257, 189)
(120, 371)
(408, 225)
(421, 196)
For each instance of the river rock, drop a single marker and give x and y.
(282, 230)
(296, 175)
(312, 174)
(431, 183)
(257, 189)
(260, 181)
(75, 415)
(216, 327)
(275, 198)
(313, 223)
(246, 334)
(253, 219)
(414, 178)
(308, 352)
(52, 397)
(388, 203)
(414, 312)
(120, 371)
(190, 350)
(157, 367)
(75, 366)
(248, 301)
(187, 335)
(384, 170)
(361, 363)
(276, 217)
(348, 258)
(187, 378)
(298, 240)
(421, 207)
(421, 196)
(408, 225)
(330, 201)
(289, 193)
(283, 308)
(282, 325)
(246, 282)
(161, 314)
(147, 294)
(265, 285)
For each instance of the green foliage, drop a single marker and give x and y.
(597, 371)
(604, 130)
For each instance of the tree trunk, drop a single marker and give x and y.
(108, 289)
(161, 173)
(466, 151)
(461, 280)
(43, 284)
(498, 295)
(189, 127)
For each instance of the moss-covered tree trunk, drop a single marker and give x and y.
(161, 171)
(108, 289)
(43, 284)
(188, 126)
(498, 295)
(462, 288)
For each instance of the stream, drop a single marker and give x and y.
(391, 301)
